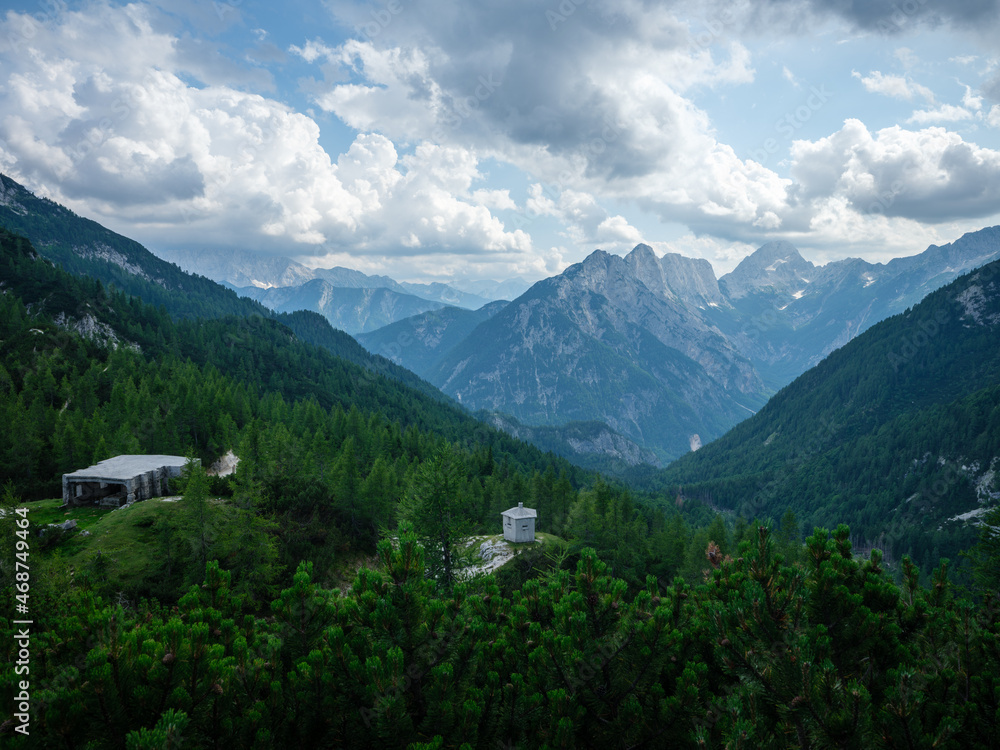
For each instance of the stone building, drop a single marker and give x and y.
(122, 479)
(519, 524)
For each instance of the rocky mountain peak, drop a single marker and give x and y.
(674, 276)
(777, 266)
(642, 253)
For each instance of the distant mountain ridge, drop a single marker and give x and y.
(240, 269)
(353, 310)
(507, 289)
(427, 337)
(788, 314)
(659, 349)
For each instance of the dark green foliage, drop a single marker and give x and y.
(441, 509)
(170, 386)
(887, 433)
(831, 654)
(218, 644)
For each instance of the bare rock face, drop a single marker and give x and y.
(91, 328)
(225, 466)
(596, 343)
(691, 280)
(776, 266)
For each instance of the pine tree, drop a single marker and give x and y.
(200, 516)
(438, 507)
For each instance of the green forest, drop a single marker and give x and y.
(321, 596)
(896, 433)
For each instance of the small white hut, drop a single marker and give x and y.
(519, 524)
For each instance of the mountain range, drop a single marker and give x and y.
(653, 355)
(351, 309)
(658, 348)
(285, 285)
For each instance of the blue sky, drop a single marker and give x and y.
(436, 139)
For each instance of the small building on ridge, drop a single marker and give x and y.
(120, 480)
(519, 524)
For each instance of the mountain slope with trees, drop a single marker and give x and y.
(897, 433)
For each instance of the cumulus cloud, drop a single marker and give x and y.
(594, 105)
(930, 175)
(944, 113)
(610, 117)
(99, 109)
(993, 119)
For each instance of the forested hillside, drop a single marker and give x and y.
(335, 447)
(829, 654)
(84, 247)
(319, 596)
(897, 433)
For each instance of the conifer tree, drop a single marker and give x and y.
(438, 507)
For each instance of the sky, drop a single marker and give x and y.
(436, 140)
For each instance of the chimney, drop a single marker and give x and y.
(520, 505)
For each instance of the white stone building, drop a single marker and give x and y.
(519, 524)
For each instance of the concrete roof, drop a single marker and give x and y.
(121, 468)
(520, 513)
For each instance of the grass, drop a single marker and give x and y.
(126, 538)
(44, 512)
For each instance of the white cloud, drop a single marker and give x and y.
(943, 113)
(617, 230)
(610, 118)
(993, 119)
(498, 200)
(895, 86)
(930, 175)
(129, 121)
(971, 101)
(98, 111)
